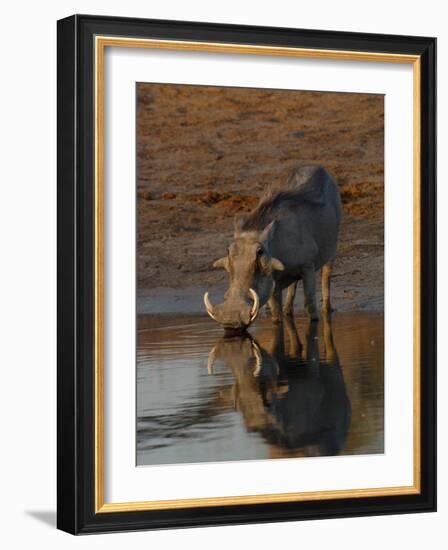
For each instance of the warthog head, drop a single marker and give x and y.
(251, 279)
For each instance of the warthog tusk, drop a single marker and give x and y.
(209, 307)
(255, 307)
(211, 359)
(258, 360)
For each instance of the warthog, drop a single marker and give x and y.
(291, 234)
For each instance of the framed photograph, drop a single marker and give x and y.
(246, 274)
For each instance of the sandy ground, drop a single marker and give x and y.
(205, 154)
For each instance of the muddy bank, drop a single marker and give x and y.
(205, 154)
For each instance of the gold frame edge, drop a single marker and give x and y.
(101, 42)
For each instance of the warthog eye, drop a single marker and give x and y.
(259, 251)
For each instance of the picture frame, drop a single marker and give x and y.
(82, 41)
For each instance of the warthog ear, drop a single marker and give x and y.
(238, 223)
(268, 265)
(268, 233)
(276, 265)
(222, 263)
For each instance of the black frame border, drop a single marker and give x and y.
(76, 263)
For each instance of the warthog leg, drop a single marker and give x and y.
(275, 304)
(326, 280)
(330, 351)
(295, 345)
(288, 308)
(309, 289)
(312, 345)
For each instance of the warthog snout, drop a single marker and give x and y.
(234, 314)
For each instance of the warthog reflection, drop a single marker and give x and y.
(295, 398)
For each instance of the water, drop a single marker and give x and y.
(294, 391)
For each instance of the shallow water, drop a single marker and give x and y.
(292, 391)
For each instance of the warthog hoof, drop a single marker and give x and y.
(313, 315)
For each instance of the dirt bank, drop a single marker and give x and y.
(205, 154)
